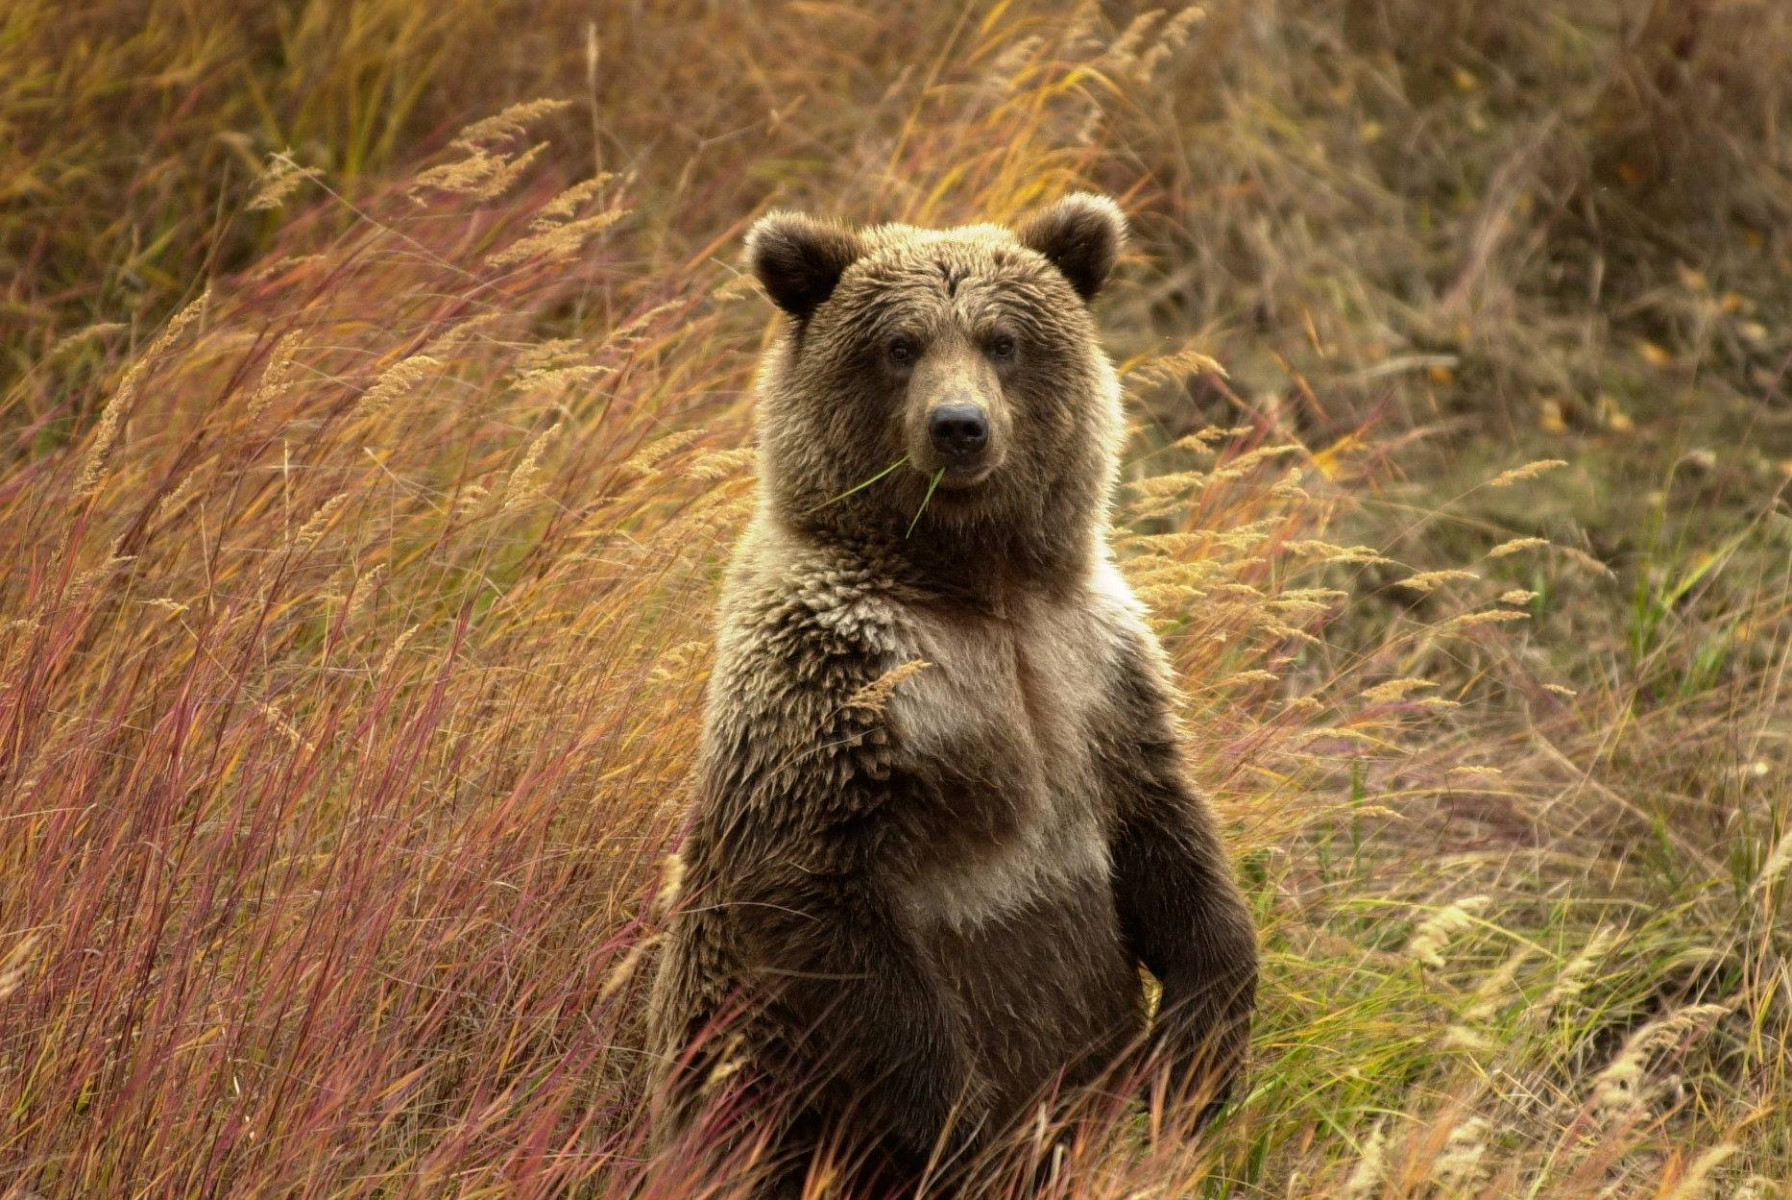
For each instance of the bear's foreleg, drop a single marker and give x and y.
(1180, 906)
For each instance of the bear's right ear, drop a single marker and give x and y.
(799, 259)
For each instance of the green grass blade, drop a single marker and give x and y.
(934, 483)
(862, 486)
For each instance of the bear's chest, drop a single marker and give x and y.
(1000, 731)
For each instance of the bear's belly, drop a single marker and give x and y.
(1049, 991)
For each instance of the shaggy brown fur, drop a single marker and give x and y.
(911, 906)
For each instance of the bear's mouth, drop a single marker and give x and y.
(961, 476)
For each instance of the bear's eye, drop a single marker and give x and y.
(902, 350)
(1001, 346)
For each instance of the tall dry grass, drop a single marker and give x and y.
(364, 503)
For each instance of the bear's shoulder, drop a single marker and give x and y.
(811, 610)
(790, 724)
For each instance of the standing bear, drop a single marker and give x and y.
(941, 819)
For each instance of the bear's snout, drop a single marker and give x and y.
(958, 431)
(957, 421)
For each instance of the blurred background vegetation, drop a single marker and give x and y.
(368, 445)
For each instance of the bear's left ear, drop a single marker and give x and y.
(1081, 235)
(799, 259)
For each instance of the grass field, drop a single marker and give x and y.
(375, 417)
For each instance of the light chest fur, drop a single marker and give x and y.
(1013, 705)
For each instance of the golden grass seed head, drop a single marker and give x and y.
(1436, 931)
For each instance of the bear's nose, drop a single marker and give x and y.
(958, 430)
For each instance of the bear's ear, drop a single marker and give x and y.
(799, 259)
(1081, 235)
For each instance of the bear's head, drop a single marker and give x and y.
(942, 393)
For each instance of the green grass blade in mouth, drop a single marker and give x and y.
(934, 483)
(859, 487)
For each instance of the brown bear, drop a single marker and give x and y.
(941, 819)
